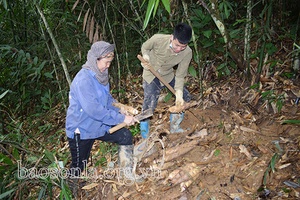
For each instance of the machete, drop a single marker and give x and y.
(144, 115)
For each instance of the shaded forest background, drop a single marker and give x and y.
(44, 43)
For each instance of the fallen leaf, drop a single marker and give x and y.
(90, 186)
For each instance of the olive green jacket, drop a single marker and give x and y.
(163, 59)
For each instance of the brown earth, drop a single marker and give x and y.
(238, 145)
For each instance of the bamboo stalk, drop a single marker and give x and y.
(248, 34)
(55, 44)
(116, 50)
(125, 46)
(197, 60)
(54, 67)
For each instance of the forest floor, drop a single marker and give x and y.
(238, 145)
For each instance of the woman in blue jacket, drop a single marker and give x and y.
(90, 113)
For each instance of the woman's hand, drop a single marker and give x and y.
(129, 120)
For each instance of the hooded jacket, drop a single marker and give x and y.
(90, 110)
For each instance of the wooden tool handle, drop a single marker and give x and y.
(129, 109)
(156, 74)
(117, 127)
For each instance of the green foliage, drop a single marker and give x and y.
(271, 167)
(135, 129)
(192, 71)
(4, 3)
(226, 8)
(217, 152)
(291, 121)
(270, 97)
(26, 78)
(105, 149)
(271, 48)
(223, 70)
(28, 171)
(168, 96)
(3, 94)
(152, 10)
(47, 100)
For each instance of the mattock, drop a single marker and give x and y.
(173, 109)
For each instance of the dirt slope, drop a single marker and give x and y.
(237, 147)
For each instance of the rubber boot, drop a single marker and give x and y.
(175, 121)
(127, 173)
(144, 126)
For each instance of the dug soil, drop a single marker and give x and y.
(239, 144)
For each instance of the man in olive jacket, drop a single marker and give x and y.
(164, 52)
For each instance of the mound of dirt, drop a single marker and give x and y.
(237, 146)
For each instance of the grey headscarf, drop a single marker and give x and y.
(97, 50)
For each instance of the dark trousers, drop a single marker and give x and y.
(152, 92)
(81, 149)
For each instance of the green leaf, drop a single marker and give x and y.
(16, 154)
(207, 33)
(4, 2)
(65, 191)
(150, 8)
(221, 66)
(32, 159)
(48, 75)
(42, 193)
(168, 97)
(35, 60)
(50, 155)
(254, 86)
(291, 121)
(226, 11)
(5, 159)
(207, 43)
(155, 8)
(7, 193)
(273, 162)
(192, 71)
(217, 152)
(265, 176)
(3, 94)
(167, 5)
(271, 48)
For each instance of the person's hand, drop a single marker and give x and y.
(129, 120)
(123, 111)
(146, 58)
(179, 98)
(145, 65)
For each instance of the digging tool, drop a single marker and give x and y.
(156, 74)
(144, 115)
(173, 109)
(126, 108)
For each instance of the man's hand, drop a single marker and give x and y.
(145, 66)
(179, 98)
(147, 59)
